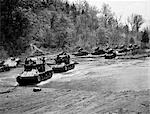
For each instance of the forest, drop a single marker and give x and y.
(60, 25)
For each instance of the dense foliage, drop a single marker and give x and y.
(132, 41)
(57, 24)
(145, 37)
(14, 26)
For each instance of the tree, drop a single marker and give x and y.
(107, 15)
(14, 24)
(138, 21)
(145, 37)
(126, 29)
(116, 22)
(135, 22)
(130, 22)
(132, 40)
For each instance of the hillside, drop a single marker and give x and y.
(57, 25)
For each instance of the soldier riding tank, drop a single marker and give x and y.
(63, 63)
(81, 52)
(34, 72)
(9, 63)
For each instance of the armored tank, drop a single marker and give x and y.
(9, 63)
(1, 62)
(98, 51)
(81, 52)
(34, 72)
(12, 62)
(63, 63)
(110, 54)
(4, 68)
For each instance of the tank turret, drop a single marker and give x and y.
(81, 52)
(63, 63)
(9, 63)
(35, 71)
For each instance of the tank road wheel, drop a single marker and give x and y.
(1, 69)
(46, 75)
(66, 68)
(50, 74)
(38, 78)
(72, 66)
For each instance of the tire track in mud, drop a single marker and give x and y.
(88, 77)
(78, 91)
(8, 82)
(9, 90)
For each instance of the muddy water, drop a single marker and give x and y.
(94, 74)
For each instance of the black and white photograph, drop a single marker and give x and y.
(75, 57)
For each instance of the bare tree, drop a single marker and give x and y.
(115, 21)
(135, 22)
(130, 22)
(106, 14)
(138, 21)
(145, 38)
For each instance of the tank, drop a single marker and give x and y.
(63, 64)
(4, 68)
(9, 63)
(34, 72)
(1, 62)
(63, 67)
(110, 54)
(121, 52)
(81, 52)
(12, 62)
(98, 51)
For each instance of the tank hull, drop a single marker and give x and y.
(4, 68)
(110, 56)
(100, 52)
(63, 68)
(80, 54)
(30, 80)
